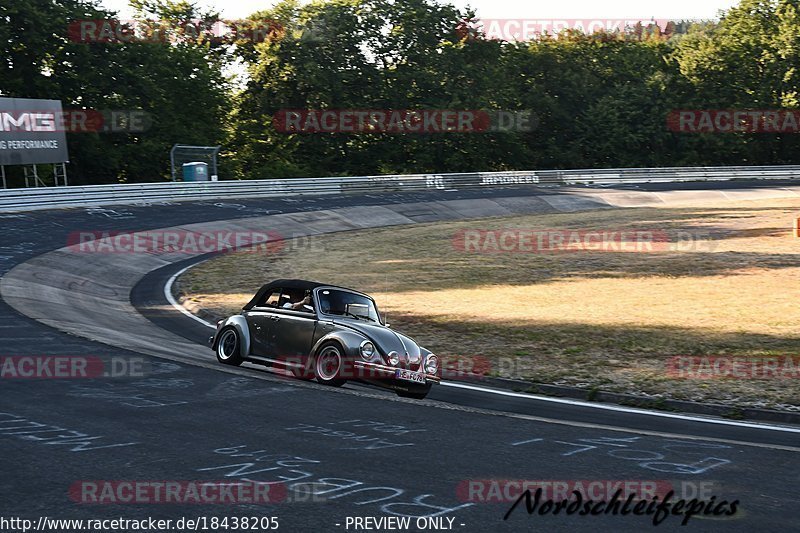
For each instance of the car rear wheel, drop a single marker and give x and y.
(328, 365)
(228, 347)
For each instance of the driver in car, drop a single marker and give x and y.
(300, 305)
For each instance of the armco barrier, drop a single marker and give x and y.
(95, 195)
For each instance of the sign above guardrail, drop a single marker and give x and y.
(96, 195)
(32, 132)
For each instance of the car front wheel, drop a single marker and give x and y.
(328, 365)
(228, 352)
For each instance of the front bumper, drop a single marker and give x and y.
(376, 371)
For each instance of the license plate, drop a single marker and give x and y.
(408, 375)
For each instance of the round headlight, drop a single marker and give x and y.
(367, 350)
(431, 364)
(393, 358)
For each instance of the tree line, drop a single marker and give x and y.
(609, 99)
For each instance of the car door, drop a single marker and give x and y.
(292, 335)
(260, 319)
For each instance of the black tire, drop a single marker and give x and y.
(329, 361)
(417, 394)
(229, 347)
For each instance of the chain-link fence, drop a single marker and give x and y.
(183, 153)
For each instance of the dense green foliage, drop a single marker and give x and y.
(180, 86)
(600, 100)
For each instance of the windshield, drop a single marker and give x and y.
(345, 303)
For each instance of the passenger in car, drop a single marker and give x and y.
(301, 305)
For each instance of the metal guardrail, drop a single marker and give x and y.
(96, 195)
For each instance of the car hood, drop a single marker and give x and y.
(386, 339)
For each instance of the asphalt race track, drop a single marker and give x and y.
(333, 455)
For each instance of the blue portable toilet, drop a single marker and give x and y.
(195, 171)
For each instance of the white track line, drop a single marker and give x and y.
(593, 405)
(612, 407)
(176, 305)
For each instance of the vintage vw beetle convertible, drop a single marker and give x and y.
(325, 332)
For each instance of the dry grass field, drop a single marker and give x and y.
(727, 284)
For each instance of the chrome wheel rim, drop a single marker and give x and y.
(329, 362)
(227, 345)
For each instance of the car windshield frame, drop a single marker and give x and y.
(320, 312)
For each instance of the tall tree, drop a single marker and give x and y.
(42, 58)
